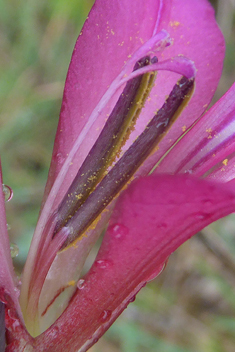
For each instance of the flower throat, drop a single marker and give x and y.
(94, 187)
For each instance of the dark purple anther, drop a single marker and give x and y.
(108, 144)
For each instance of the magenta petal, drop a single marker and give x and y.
(210, 144)
(113, 31)
(150, 221)
(195, 35)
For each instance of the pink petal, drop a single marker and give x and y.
(210, 142)
(195, 35)
(9, 291)
(90, 73)
(151, 220)
(114, 31)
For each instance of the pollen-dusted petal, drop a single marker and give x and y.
(195, 35)
(114, 30)
(208, 144)
(151, 219)
(108, 144)
(126, 166)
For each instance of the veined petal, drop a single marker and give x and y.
(91, 71)
(95, 204)
(93, 83)
(74, 160)
(208, 145)
(195, 35)
(199, 40)
(151, 219)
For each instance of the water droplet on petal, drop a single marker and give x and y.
(202, 216)
(119, 231)
(60, 158)
(207, 203)
(103, 264)
(157, 272)
(81, 284)
(54, 332)
(105, 315)
(132, 299)
(17, 291)
(162, 226)
(189, 171)
(28, 348)
(7, 192)
(14, 250)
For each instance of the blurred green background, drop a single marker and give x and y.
(191, 306)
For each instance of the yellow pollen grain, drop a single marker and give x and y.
(184, 128)
(209, 130)
(71, 283)
(174, 23)
(225, 162)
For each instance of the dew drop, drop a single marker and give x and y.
(202, 216)
(54, 332)
(103, 264)
(162, 226)
(14, 250)
(132, 299)
(105, 315)
(119, 231)
(28, 348)
(17, 291)
(207, 203)
(7, 192)
(81, 284)
(157, 272)
(60, 158)
(189, 171)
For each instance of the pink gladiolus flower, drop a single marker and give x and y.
(116, 127)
